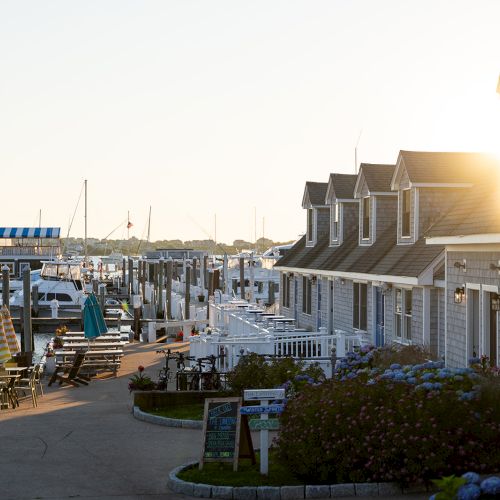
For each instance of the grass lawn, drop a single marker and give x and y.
(192, 411)
(221, 474)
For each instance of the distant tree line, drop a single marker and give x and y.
(135, 246)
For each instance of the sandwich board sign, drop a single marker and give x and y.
(224, 438)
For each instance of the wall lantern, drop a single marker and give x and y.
(495, 302)
(495, 267)
(460, 265)
(459, 295)
(314, 279)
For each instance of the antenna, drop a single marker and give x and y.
(356, 152)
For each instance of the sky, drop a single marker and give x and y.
(216, 113)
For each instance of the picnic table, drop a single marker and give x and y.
(95, 359)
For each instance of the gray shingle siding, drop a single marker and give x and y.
(342, 313)
(386, 209)
(478, 272)
(322, 222)
(434, 203)
(417, 316)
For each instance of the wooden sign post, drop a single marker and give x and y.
(264, 396)
(221, 431)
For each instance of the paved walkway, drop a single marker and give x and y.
(84, 443)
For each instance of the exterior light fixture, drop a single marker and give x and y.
(495, 302)
(460, 265)
(459, 295)
(314, 279)
(495, 267)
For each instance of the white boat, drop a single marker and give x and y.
(61, 281)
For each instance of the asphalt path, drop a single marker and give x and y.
(84, 442)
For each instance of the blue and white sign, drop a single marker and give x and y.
(263, 394)
(258, 410)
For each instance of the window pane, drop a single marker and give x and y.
(309, 286)
(355, 305)
(408, 300)
(406, 207)
(304, 294)
(366, 217)
(408, 327)
(363, 307)
(398, 308)
(309, 224)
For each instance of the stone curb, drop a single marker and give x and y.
(384, 490)
(168, 422)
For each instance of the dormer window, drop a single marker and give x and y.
(310, 225)
(334, 217)
(366, 218)
(405, 212)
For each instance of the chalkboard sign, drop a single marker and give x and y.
(221, 431)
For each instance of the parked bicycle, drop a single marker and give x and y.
(164, 374)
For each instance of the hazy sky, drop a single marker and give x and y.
(228, 107)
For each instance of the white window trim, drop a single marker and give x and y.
(369, 240)
(402, 316)
(468, 306)
(311, 242)
(340, 225)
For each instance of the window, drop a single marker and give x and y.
(334, 217)
(402, 313)
(63, 297)
(366, 218)
(286, 290)
(359, 309)
(306, 295)
(405, 212)
(310, 226)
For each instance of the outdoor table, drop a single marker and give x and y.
(283, 323)
(97, 358)
(93, 345)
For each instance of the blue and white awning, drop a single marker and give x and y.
(30, 232)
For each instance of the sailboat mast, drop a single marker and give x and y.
(149, 223)
(85, 241)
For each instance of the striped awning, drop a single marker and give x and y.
(30, 232)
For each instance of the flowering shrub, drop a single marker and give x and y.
(467, 487)
(141, 382)
(407, 424)
(254, 372)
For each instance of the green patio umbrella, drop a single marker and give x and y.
(93, 320)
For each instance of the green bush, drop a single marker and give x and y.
(254, 372)
(358, 430)
(402, 354)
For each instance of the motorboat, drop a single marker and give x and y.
(61, 281)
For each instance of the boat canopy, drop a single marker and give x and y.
(61, 271)
(30, 232)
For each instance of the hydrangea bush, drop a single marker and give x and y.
(405, 423)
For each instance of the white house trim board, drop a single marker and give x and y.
(416, 220)
(359, 183)
(396, 280)
(490, 288)
(441, 185)
(426, 277)
(398, 172)
(477, 239)
(473, 248)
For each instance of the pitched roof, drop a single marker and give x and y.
(377, 176)
(383, 258)
(477, 212)
(441, 168)
(316, 192)
(343, 185)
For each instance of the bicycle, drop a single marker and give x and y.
(164, 374)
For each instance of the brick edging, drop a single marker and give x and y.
(169, 422)
(200, 490)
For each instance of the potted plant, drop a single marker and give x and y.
(141, 382)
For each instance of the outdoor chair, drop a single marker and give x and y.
(26, 385)
(72, 375)
(38, 369)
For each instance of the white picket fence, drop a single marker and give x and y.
(235, 333)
